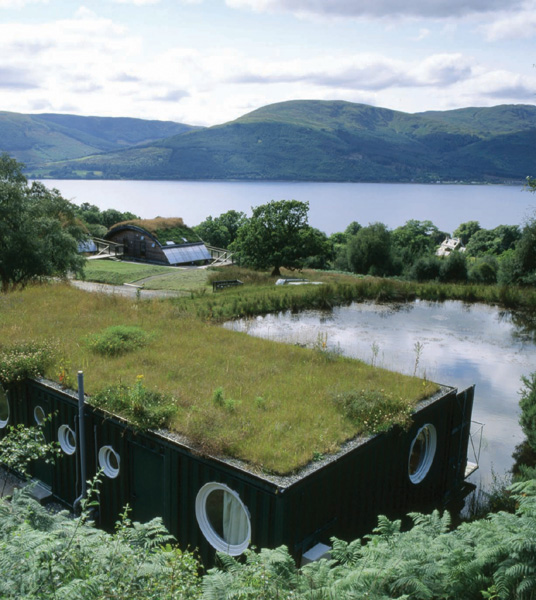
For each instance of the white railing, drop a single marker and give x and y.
(475, 441)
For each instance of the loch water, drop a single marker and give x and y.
(332, 206)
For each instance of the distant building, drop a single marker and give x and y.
(449, 245)
(162, 241)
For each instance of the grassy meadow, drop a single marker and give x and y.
(276, 406)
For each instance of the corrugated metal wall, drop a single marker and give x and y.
(344, 498)
(158, 477)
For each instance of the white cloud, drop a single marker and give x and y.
(136, 2)
(500, 86)
(7, 4)
(423, 34)
(376, 8)
(17, 78)
(360, 72)
(512, 25)
(87, 64)
(148, 2)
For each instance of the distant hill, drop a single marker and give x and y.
(46, 138)
(314, 140)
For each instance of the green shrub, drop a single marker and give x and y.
(453, 268)
(527, 403)
(425, 268)
(21, 361)
(147, 409)
(484, 270)
(219, 399)
(117, 340)
(372, 409)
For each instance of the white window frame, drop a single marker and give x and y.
(63, 439)
(427, 457)
(214, 539)
(39, 414)
(104, 462)
(3, 395)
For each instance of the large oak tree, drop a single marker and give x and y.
(39, 232)
(278, 235)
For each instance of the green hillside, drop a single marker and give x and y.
(314, 140)
(39, 139)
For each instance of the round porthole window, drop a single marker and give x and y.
(109, 461)
(223, 518)
(67, 439)
(422, 452)
(39, 415)
(4, 408)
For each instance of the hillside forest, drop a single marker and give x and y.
(301, 140)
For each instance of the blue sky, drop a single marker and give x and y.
(205, 62)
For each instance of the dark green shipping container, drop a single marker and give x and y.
(210, 504)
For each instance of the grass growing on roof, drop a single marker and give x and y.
(278, 405)
(165, 229)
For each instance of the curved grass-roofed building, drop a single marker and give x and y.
(166, 241)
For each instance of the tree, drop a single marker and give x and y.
(278, 235)
(425, 268)
(39, 232)
(518, 265)
(453, 268)
(466, 230)
(493, 241)
(353, 228)
(92, 215)
(110, 217)
(369, 250)
(484, 270)
(415, 239)
(221, 231)
(525, 252)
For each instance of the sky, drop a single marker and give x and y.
(206, 62)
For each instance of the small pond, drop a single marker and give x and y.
(451, 342)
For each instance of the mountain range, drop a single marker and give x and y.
(302, 140)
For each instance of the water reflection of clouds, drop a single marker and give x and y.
(461, 345)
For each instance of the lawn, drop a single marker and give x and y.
(161, 277)
(181, 280)
(273, 405)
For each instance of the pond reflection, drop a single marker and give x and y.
(450, 342)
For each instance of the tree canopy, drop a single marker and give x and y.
(415, 239)
(369, 250)
(92, 215)
(221, 231)
(466, 230)
(278, 235)
(39, 231)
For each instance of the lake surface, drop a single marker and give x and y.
(332, 205)
(461, 345)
